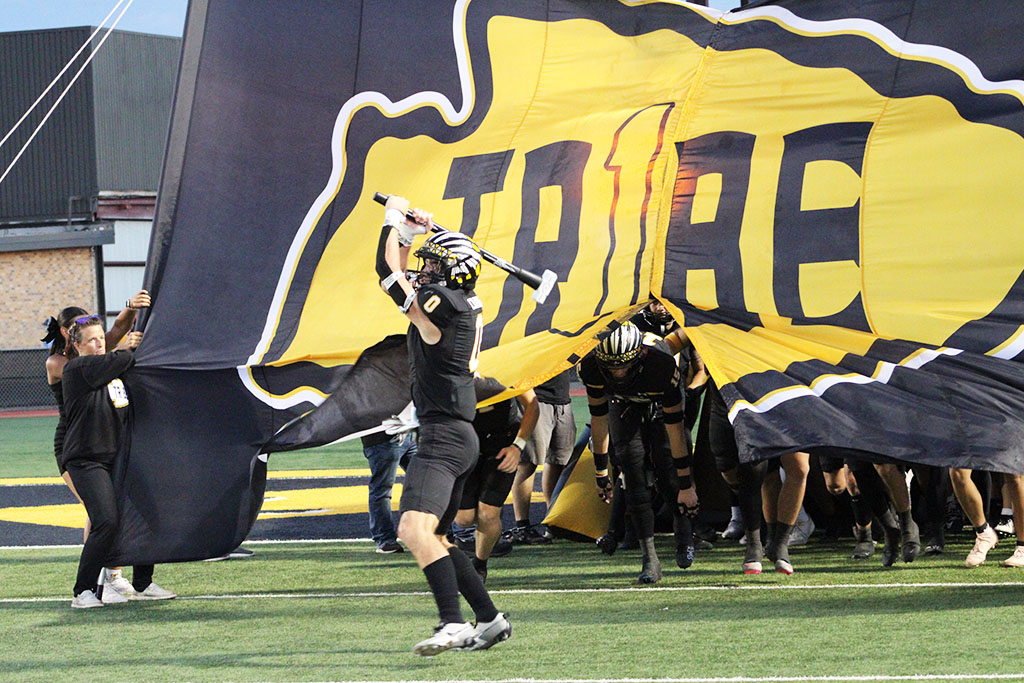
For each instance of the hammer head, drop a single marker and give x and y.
(547, 283)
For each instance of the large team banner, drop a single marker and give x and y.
(827, 195)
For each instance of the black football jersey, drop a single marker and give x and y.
(657, 381)
(442, 373)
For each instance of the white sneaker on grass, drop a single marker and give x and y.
(86, 600)
(119, 584)
(112, 596)
(455, 634)
(154, 592)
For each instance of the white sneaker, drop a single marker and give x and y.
(112, 596)
(490, 632)
(121, 585)
(86, 600)
(1017, 559)
(456, 634)
(154, 592)
(986, 541)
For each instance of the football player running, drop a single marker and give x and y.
(640, 375)
(444, 342)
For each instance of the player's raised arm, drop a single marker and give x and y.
(393, 248)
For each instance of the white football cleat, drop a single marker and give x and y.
(455, 634)
(489, 633)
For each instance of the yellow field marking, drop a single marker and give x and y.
(314, 502)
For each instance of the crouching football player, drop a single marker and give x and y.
(640, 376)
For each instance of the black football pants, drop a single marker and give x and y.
(640, 446)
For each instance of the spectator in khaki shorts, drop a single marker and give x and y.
(551, 443)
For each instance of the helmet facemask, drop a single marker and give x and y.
(432, 271)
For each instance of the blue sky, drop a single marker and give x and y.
(166, 17)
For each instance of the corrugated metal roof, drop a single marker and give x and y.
(133, 85)
(109, 132)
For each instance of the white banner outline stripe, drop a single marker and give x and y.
(821, 384)
(946, 57)
(1010, 348)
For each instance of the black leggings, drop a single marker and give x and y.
(96, 489)
(636, 434)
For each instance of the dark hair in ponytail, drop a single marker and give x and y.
(66, 318)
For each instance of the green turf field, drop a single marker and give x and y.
(26, 449)
(339, 612)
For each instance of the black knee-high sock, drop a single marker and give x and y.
(861, 511)
(441, 578)
(617, 520)
(751, 476)
(873, 491)
(471, 587)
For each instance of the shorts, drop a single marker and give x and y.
(486, 483)
(554, 436)
(721, 436)
(832, 458)
(447, 452)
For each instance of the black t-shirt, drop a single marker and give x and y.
(95, 402)
(442, 373)
(499, 419)
(658, 379)
(555, 391)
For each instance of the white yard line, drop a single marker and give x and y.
(556, 591)
(730, 679)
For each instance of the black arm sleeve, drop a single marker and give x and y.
(97, 371)
(384, 271)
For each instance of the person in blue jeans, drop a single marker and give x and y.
(385, 453)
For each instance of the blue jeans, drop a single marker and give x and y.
(384, 459)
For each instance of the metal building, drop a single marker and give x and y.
(76, 208)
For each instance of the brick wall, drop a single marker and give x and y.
(36, 284)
